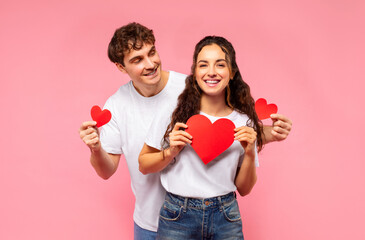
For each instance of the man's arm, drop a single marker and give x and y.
(279, 130)
(105, 164)
(153, 160)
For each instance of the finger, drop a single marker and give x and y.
(282, 125)
(280, 130)
(179, 125)
(177, 143)
(88, 131)
(249, 136)
(279, 136)
(248, 140)
(180, 138)
(92, 142)
(239, 128)
(244, 138)
(245, 130)
(246, 135)
(281, 117)
(90, 137)
(180, 132)
(87, 124)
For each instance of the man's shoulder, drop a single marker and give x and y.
(121, 94)
(177, 80)
(177, 77)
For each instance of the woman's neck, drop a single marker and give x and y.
(214, 106)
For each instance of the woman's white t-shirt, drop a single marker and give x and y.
(188, 176)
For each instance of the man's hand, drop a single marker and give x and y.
(89, 133)
(279, 130)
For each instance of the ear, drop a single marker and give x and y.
(120, 67)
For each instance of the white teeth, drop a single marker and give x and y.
(151, 73)
(212, 81)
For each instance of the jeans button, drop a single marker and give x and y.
(207, 203)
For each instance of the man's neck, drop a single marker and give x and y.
(152, 90)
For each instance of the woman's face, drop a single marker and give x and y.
(212, 71)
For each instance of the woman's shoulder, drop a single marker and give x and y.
(239, 117)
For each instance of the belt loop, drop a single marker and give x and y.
(220, 203)
(185, 204)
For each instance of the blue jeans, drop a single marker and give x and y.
(191, 218)
(143, 234)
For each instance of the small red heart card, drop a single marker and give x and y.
(263, 109)
(210, 140)
(102, 117)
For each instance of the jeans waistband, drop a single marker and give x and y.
(200, 203)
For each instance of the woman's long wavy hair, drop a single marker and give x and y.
(238, 95)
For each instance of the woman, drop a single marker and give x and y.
(200, 200)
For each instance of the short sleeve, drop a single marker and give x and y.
(157, 131)
(110, 136)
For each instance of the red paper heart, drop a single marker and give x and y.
(263, 109)
(210, 140)
(100, 117)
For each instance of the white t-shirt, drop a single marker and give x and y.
(188, 176)
(132, 115)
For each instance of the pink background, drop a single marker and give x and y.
(305, 56)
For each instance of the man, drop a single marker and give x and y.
(151, 92)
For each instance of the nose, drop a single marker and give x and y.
(212, 72)
(149, 63)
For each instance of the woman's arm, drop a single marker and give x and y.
(153, 160)
(246, 175)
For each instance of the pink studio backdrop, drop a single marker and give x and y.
(305, 56)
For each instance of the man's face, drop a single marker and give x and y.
(143, 66)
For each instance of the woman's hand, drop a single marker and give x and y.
(247, 137)
(178, 139)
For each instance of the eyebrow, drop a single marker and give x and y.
(153, 48)
(134, 58)
(219, 60)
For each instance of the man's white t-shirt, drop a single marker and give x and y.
(188, 176)
(132, 115)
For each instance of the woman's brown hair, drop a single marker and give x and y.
(238, 95)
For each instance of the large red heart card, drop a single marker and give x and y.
(263, 109)
(210, 140)
(100, 117)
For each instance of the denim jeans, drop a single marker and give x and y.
(143, 234)
(190, 218)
